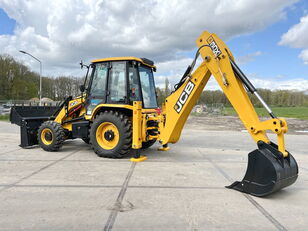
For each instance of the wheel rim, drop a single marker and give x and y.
(107, 135)
(47, 136)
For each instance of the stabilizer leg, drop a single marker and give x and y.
(137, 157)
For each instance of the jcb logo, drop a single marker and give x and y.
(184, 96)
(214, 46)
(73, 103)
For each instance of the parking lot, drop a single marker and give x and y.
(182, 189)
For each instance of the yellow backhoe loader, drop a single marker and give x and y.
(117, 114)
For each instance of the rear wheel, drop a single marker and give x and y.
(51, 136)
(111, 135)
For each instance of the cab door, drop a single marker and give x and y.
(97, 92)
(117, 83)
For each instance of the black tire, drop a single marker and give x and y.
(86, 140)
(148, 144)
(123, 124)
(56, 131)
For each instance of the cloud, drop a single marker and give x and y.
(173, 70)
(248, 58)
(61, 32)
(304, 56)
(299, 84)
(297, 37)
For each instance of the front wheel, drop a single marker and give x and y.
(51, 136)
(111, 135)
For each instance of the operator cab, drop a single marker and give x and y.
(121, 81)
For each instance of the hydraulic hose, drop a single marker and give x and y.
(239, 74)
(189, 69)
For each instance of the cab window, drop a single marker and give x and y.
(147, 87)
(134, 89)
(117, 82)
(99, 80)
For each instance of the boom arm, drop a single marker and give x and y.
(219, 62)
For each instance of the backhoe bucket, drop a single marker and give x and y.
(267, 172)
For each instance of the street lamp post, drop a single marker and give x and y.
(24, 52)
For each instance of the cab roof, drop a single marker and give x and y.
(144, 61)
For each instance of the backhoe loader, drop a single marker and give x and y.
(117, 114)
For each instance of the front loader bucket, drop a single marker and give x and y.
(30, 118)
(267, 172)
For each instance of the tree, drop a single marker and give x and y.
(167, 89)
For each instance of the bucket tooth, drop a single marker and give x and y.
(267, 171)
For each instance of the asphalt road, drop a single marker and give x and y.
(182, 189)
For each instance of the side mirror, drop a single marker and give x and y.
(82, 88)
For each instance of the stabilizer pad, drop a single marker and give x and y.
(141, 158)
(163, 148)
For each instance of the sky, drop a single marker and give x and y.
(268, 38)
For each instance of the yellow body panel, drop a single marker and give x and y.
(62, 116)
(137, 125)
(172, 122)
(68, 126)
(124, 106)
(121, 59)
(100, 106)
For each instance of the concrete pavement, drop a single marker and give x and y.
(182, 189)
